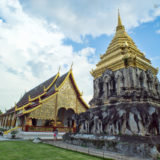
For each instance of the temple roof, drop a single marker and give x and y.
(38, 90)
(122, 52)
(9, 111)
(57, 83)
(35, 96)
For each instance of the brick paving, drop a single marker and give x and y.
(92, 151)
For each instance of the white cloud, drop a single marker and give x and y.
(94, 17)
(31, 51)
(158, 31)
(31, 41)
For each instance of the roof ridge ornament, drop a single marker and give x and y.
(59, 69)
(71, 66)
(29, 98)
(44, 89)
(55, 86)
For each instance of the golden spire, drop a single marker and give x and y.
(121, 46)
(119, 19)
(119, 26)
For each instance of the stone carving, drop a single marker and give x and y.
(96, 88)
(131, 84)
(127, 102)
(119, 82)
(121, 119)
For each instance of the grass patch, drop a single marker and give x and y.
(27, 150)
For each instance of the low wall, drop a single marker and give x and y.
(41, 135)
(33, 135)
(145, 147)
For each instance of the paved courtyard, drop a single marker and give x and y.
(3, 138)
(92, 151)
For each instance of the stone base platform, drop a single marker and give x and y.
(147, 147)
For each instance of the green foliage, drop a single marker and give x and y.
(2, 129)
(1, 112)
(26, 150)
(14, 132)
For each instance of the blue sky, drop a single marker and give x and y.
(36, 37)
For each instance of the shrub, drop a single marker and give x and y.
(13, 133)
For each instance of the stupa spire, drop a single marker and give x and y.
(119, 19)
(119, 26)
(121, 53)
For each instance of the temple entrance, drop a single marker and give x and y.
(63, 123)
(64, 117)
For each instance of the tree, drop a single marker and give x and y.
(1, 112)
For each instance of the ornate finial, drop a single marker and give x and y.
(59, 69)
(119, 26)
(40, 100)
(55, 87)
(29, 98)
(71, 66)
(15, 105)
(23, 110)
(82, 93)
(126, 44)
(91, 72)
(44, 89)
(119, 19)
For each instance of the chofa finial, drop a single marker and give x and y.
(59, 69)
(71, 66)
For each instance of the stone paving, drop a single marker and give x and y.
(92, 151)
(3, 138)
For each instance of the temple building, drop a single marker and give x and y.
(50, 104)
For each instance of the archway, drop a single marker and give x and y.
(64, 116)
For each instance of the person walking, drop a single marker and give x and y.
(55, 134)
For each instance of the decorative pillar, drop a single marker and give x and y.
(76, 104)
(55, 116)
(28, 123)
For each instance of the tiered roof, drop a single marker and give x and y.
(33, 98)
(122, 52)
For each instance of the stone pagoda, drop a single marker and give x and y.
(124, 73)
(125, 109)
(126, 96)
(122, 53)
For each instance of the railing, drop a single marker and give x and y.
(47, 129)
(10, 130)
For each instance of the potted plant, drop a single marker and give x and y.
(13, 134)
(1, 131)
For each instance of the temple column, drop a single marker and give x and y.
(56, 106)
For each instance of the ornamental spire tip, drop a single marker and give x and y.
(119, 19)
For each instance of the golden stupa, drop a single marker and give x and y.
(122, 52)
